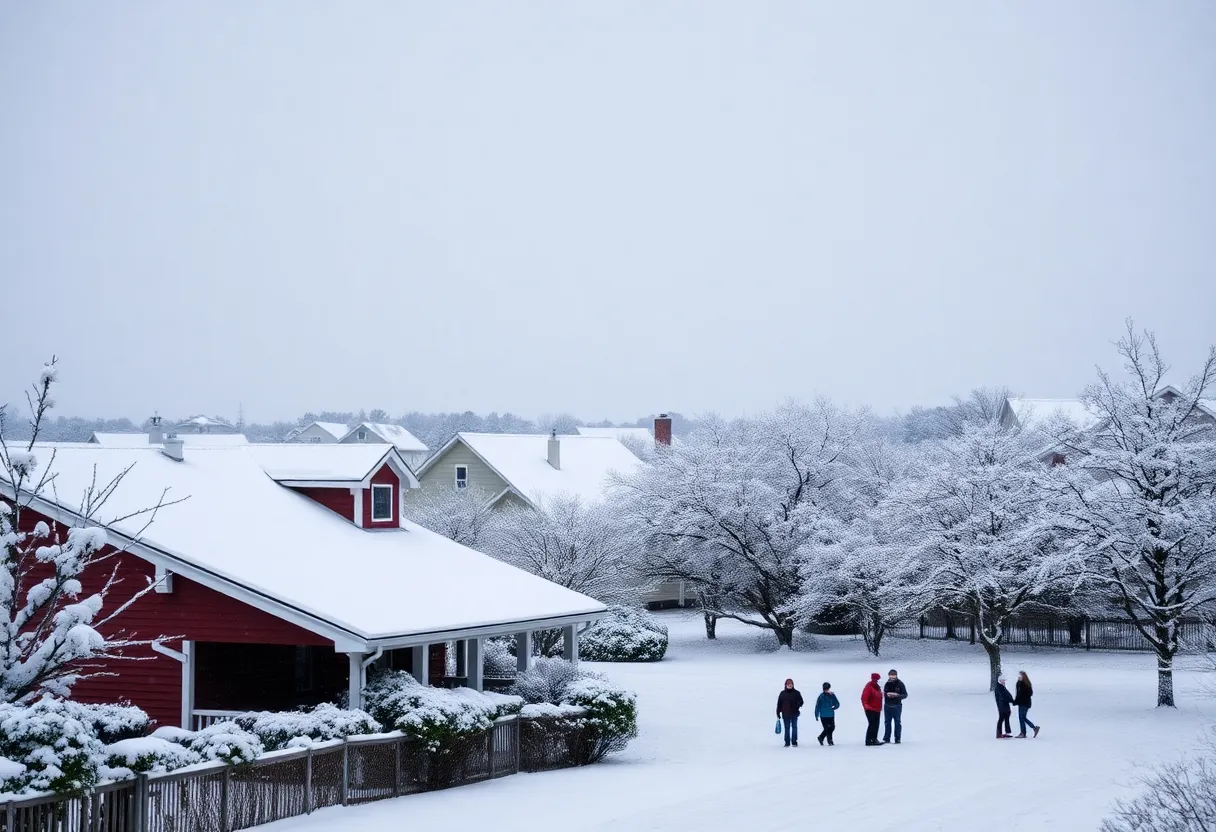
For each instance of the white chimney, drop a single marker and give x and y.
(156, 434)
(555, 451)
(174, 447)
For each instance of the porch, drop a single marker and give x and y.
(221, 680)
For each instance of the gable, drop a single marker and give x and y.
(440, 471)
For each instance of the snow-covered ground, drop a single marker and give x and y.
(707, 758)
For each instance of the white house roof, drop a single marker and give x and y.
(392, 434)
(193, 440)
(240, 529)
(304, 462)
(1031, 412)
(637, 434)
(522, 460)
(204, 422)
(335, 429)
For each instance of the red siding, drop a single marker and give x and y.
(384, 476)
(192, 611)
(338, 500)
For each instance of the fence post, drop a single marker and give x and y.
(10, 818)
(922, 626)
(397, 768)
(308, 790)
(143, 800)
(1087, 632)
(345, 770)
(225, 791)
(518, 735)
(490, 747)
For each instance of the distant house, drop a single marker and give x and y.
(319, 432)
(625, 435)
(285, 573)
(204, 424)
(410, 446)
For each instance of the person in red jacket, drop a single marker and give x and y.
(871, 701)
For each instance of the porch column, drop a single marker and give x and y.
(355, 686)
(188, 685)
(474, 664)
(570, 643)
(523, 651)
(420, 658)
(462, 658)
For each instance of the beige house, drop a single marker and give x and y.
(411, 447)
(319, 433)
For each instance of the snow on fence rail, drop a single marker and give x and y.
(1046, 631)
(216, 797)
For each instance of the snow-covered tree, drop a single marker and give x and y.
(859, 568)
(50, 631)
(1139, 494)
(972, 510)
(580, 545)
(730, 508)
(460, 514)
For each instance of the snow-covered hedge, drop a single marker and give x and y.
(626, 634)
(434, 716)
(48, 746)
(602, 716)
(149, 754)
(497, 661)
(223, 741)
(115, 722)
(278, 730)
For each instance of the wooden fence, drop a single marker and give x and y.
(1047, 631)
(216, 797)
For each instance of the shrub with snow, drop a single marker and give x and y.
(324, 722)
(498, 662)
(48, 746)
(626, 634)
(611, 711)
(546, 681)
(435, 717)
(600, 717)
(224, 741)
(116, 721)
(149, 754)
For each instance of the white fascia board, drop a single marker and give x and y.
(212, 580)
(503, 628)
(318, 483)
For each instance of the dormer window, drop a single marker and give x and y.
(382, 503)
(462, 476)
(362, 436)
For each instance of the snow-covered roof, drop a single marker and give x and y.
(205, 422)
(1031, 412)
(637, 434)
(303, 461)
(392, 434)
(239, 528)
(522, 460)
(193, 440)
(335, 429)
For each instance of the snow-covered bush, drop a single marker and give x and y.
(546, 681)
(611, 711)
(595, 717)
(1177, 797)
(224, 741)
(48, 747)
(149, 754)
(324, 722)
(435, 717)
(115, 721)
(497, 662)
(626, 634)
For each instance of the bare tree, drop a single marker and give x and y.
(50, 630)
(1177, 797)
(461, 514)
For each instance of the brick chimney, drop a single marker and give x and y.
(662, 429)
(156, 433)
(555, 451)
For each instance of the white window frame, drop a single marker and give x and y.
(361, 436)
(376, 519)
(456, 476)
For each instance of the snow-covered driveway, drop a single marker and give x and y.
(707, 758)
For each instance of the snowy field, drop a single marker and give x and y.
(707, 758)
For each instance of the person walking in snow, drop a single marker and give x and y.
(1004, 702)
(789, 705)
(825, 713)
(893, 693)
(871, 703)
(1023, 692)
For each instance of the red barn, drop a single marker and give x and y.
(282, 573)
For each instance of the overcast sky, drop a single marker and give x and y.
(607, 208)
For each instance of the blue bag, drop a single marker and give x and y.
(777, 730)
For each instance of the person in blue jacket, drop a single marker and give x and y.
(825, 713)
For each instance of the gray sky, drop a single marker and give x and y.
(606, 208)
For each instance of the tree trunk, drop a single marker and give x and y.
(1166, 646)
(993, 649)
(711, 625)
(785, 635)
(879, 631)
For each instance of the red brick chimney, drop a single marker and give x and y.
(662, 429)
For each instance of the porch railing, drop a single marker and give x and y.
(283, 784)
(201, 719)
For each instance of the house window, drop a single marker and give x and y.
(382, 503)
(362, 436)
(462, 476)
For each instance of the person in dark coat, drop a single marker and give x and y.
(871, 703)
(1023, 692)
(1004, 702)
(825, 713)
(894, 693)
(789, 705)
